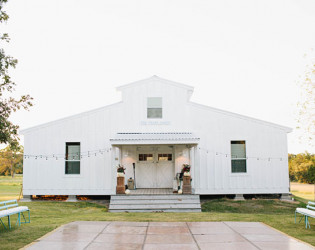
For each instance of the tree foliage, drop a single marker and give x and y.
(306, 106)
(8, 104)
(302, 168)
(11, 160)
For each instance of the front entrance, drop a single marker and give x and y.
(155, 167)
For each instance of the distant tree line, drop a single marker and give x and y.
(11, 161)
(302, 167)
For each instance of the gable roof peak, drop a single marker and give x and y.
(155, 77)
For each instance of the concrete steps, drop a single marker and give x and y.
(155, 203)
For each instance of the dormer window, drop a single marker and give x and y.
(154, 107)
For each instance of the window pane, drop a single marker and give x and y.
(72, 167)
(165, 157)
(169, 157)
(145, 157)
(72, 158)
(238, 166)
(154, 113)
(149, 157)
(73, 152)
(141, 157)
(238, 149)
(154, 102)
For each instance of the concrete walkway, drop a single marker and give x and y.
(166, 235)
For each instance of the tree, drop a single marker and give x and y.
(8, 103)
(306, 106)
(302, 167)
(11, 160)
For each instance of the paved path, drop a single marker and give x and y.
(166, 235)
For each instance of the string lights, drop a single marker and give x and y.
(217, 153)
(99, 152)
(71, 156)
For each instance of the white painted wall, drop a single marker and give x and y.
(211, 173)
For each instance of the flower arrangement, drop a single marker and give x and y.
(120, 171)
(186, 168)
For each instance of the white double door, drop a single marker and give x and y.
(155, 167)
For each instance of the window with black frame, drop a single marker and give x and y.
(72, 158)
(238, 156)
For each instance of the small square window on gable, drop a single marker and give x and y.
(154, 107)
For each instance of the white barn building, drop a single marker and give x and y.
(158, 128)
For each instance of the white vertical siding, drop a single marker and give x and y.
(211, 172)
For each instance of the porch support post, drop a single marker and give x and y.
(192, 164)
(116, 159)
(196, 169)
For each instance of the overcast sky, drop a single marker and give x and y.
(241, 56)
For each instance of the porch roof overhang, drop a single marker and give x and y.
(155, 138)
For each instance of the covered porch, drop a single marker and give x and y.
(154, 160)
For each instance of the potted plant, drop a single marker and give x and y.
(120, 171)
(186, 169)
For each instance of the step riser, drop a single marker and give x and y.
(130, 202)
(155, 203)
(157, 211)
(155, 206)
(155, 197)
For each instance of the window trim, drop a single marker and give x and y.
(161, 107)
(143, 161)
(72, 160)
(233, 159)
(168, 154)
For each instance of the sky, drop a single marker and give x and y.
(241, 56)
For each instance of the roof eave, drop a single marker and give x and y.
(152, 142)
(286, 129)
(27, 130)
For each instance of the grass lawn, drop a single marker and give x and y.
(10, 187)
(48, 215)
(303, 190)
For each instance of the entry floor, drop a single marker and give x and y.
(149, 191)
(166, 235)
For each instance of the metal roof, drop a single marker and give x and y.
(155, 138)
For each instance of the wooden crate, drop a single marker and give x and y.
(186, 185)
(120, 188)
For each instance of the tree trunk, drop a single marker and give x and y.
(12, 165)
